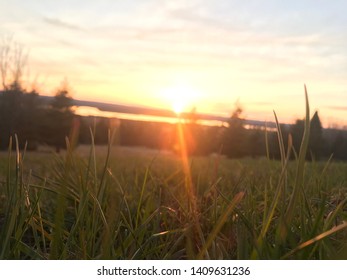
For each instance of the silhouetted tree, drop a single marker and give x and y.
(12, 63)
(235, 136)
(102, 127)
(59, 117)
(339, 146)
(19, 111)
(19, 114)
(317, 146)
(30, 119)
(11, 103)
(256, 143)
(297, 132)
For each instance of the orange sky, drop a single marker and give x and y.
(215, 53)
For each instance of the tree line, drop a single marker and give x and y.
(32, 120)
(37, 121)
(234, 139)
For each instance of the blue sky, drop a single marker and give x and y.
(257, 52)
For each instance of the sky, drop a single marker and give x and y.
(180, 54)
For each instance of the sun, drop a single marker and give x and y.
(178, 107)
(181, 97)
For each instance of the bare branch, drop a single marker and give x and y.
(12, 62)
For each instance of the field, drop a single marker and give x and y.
(132, 203)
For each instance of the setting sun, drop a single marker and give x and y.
(181, 97)
(178, 106)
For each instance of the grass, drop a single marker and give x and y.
(119, 203)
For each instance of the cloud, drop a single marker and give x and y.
(62, 24)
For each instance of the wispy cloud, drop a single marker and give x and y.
(62, 24)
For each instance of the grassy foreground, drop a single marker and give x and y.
(131, 204)
(103, 203)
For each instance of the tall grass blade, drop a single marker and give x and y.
(101, 189)
(138, 212)
(316, 239)
(280, 140)
(267, 142)
(222, 220)
(299, 178)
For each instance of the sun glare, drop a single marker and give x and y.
(178, 106)
(181, 97)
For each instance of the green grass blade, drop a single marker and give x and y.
(280, 139)
(299, 177)
(316, 239)
(222, 220)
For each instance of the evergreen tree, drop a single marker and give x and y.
(339, 146)
(235, 136)
(316, 143)
(59, 119)
(316, 147)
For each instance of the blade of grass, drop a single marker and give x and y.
(280, 140)
(299, 177)
(101, 189)
(315, 239)
(236, 200)
(138, 212)
(29, 251)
